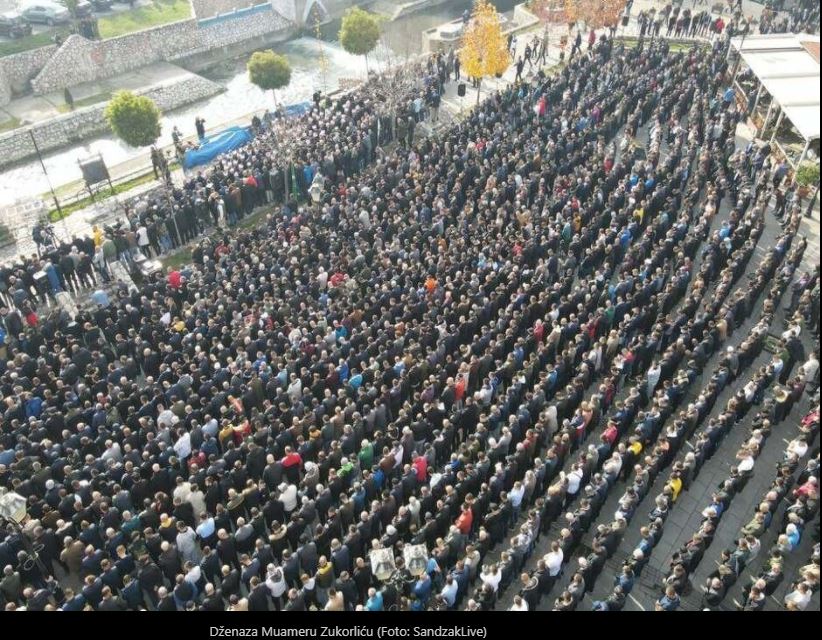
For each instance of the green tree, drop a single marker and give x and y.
(359, 32)
(807, 174)
(268, 70)
(71, 5)
(134, 119)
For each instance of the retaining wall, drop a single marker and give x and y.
(80, 60)
(88, 122)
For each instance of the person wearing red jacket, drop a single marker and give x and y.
(465, 520)
(292, 462)
(174, 279)
(608, 164)
(420, 465)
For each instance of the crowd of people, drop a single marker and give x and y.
(471, 336)
(674, 20)
(336, 139)
(800, 17)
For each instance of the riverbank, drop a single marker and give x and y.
(53, 127)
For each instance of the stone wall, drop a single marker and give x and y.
(80, 60)
(286, 8)
(51, 69)
(90, 121)
(243, 28)
(17, 70)
(209, 8)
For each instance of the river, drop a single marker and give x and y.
(401, 38)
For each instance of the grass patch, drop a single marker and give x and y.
(30, 42)
(8, 125)
(86, 102)
(178, 260)
(675, 47)
(82, 203)
(183, 256)
(68, 209)
(160, 12)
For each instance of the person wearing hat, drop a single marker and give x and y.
(781, 404)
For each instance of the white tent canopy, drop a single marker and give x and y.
(789, 73)
(805, 119)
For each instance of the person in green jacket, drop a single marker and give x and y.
(366, 455)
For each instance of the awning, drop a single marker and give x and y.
(788, 70)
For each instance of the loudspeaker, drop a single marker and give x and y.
(94, 170)
(461, 89)
(624, 21)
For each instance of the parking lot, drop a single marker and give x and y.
(16, 5)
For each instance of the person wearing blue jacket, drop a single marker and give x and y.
(422, 589)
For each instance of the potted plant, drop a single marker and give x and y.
(807, 175)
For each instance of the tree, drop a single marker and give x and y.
(71, 5)
(483, 48)
(594, 13)
(807, 174)
(359, 32)
(134, 119)
(269, 70)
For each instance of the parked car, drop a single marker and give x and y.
(83, 9)
(14, 25)
(101, 5)
(49, 13)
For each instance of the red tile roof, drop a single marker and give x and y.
(812, 48)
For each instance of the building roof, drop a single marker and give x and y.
(812, 48)
(787, 65)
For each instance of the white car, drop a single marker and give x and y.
(45, 12)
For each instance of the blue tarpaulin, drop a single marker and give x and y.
(214, 145)
(297, 109)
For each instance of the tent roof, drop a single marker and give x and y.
(781, 64)
(786, 66)
(770, 41)
(805, 118)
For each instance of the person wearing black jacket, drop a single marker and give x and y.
(530, 591)
(349, 590)
(150, 578)
(213, 600)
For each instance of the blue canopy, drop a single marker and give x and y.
(214, 145)
(297, 109)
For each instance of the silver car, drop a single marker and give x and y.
(49, 13)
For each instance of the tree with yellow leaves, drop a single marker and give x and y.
(483, 48)
(594, 13)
